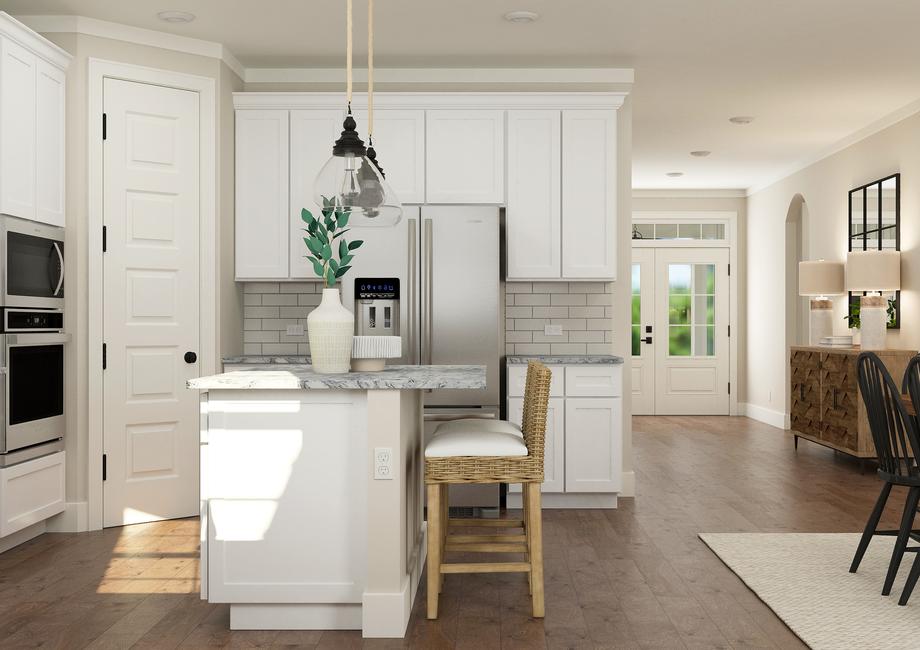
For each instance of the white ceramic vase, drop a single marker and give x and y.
(330, 328)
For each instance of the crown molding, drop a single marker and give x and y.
(421, 100)
(20, 32)
(606, 76)
(129, 34)
(649, 193)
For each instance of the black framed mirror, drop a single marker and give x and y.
(874, 223)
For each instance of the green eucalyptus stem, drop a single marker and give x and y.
(328, 251)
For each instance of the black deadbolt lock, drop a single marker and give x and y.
(191, 357)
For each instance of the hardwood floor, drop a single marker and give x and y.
(635, 577)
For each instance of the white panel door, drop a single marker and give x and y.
(589, 198)
(262, 230)
(17, 130)
(691, 331)
(312, 135)
(593, 444)
(554, 445)
(465, 156)
(399, 140)
(49, 148)
(151, 275)
(643, 331)
(533, 214)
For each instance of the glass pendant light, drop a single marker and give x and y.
(351, 178)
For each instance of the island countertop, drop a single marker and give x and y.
(302, 377)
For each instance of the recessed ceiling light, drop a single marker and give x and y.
(741, 119)
(176, 16)
(521, 16)
(702, 153)
(674, 174)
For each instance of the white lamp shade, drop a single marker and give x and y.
(874, 271)
(821, 278)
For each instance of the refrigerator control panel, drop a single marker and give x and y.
(376, 288)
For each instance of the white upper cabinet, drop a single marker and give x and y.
(262, 216)
(312, 136)
(465, 156)
(32, 105)
(589, 198)
(534, 209)
(399, 140)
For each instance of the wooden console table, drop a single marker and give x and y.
(826, 406)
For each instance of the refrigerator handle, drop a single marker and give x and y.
(427, 291)
(413, 291)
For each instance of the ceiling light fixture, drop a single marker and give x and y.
(741, 119)
(674, 174)
(521, 17)
(349, 179)
(702, 153)
(176, 16)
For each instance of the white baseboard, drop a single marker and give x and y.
(776, 419)
(74, 519)
(21, 536)
(629, 485)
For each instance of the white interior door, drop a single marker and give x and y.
(691, 331)
(643, 331)
(150, 269)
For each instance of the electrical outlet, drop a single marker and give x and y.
(294, 330)
(552, 330)
(383, 463)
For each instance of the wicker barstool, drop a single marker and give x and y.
(490, 456)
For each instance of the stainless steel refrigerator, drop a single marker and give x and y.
(446, 259)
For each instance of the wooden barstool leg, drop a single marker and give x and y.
(535, 531)
(525, 492)
(445, 527)
(434, 548)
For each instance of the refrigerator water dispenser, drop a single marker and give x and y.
(377, 306)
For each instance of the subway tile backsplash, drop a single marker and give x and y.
(582, 309)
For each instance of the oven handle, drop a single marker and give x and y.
(60, 282)
(23, 340)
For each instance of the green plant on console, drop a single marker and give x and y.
(324, 240)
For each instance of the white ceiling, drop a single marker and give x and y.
(811, 71)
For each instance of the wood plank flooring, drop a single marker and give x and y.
(636, 577)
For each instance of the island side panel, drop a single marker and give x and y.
(396, 533)
(203, 493)
(287, 504)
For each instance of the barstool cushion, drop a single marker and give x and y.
(472, 425)
(475, 443)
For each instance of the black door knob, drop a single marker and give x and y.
(191, 357)
(647, 339)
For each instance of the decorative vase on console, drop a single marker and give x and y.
(330, 327)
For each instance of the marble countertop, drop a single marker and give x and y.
(262, 359)
(565, 359)
(299, 376)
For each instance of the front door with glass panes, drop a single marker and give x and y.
(680, 331)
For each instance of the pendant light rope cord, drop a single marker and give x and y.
(348, 46)
(370, 70)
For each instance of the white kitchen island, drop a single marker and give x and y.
(311, 489)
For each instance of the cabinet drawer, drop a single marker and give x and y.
(593, 381)
(31, 492)
(517, 379)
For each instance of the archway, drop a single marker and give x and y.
(796, 307)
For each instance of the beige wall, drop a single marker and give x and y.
(621, 289)
(80, 244)
(824, 186)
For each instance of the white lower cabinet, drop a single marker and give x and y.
(583, 457)
(31, 492)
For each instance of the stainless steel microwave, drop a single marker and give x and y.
(31, 264)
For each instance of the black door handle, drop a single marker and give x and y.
(191, 357)
(647, 339)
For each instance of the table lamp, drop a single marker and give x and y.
(875, 272)
(820, 279)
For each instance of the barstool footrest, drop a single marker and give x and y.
(473, 547)
(500, 539)
(487, 523)
(486, 567)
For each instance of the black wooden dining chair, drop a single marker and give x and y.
(911, 386)
(895, 435)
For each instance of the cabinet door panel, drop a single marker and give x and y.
(805, 411)
(262, 222)
(31, 492)
(533, 216)
(464, 156)
(17, 130)
(49, 180)
(839, 400)
(554, 446)
(399, 139)
(312, 135)
(589, 200)
(593, 444)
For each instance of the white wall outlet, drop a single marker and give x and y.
(383, 463)
(294, 330)
(552, 330)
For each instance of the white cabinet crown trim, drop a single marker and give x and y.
(42, 47)
(459, 100)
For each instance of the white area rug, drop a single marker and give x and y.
(805, 579)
